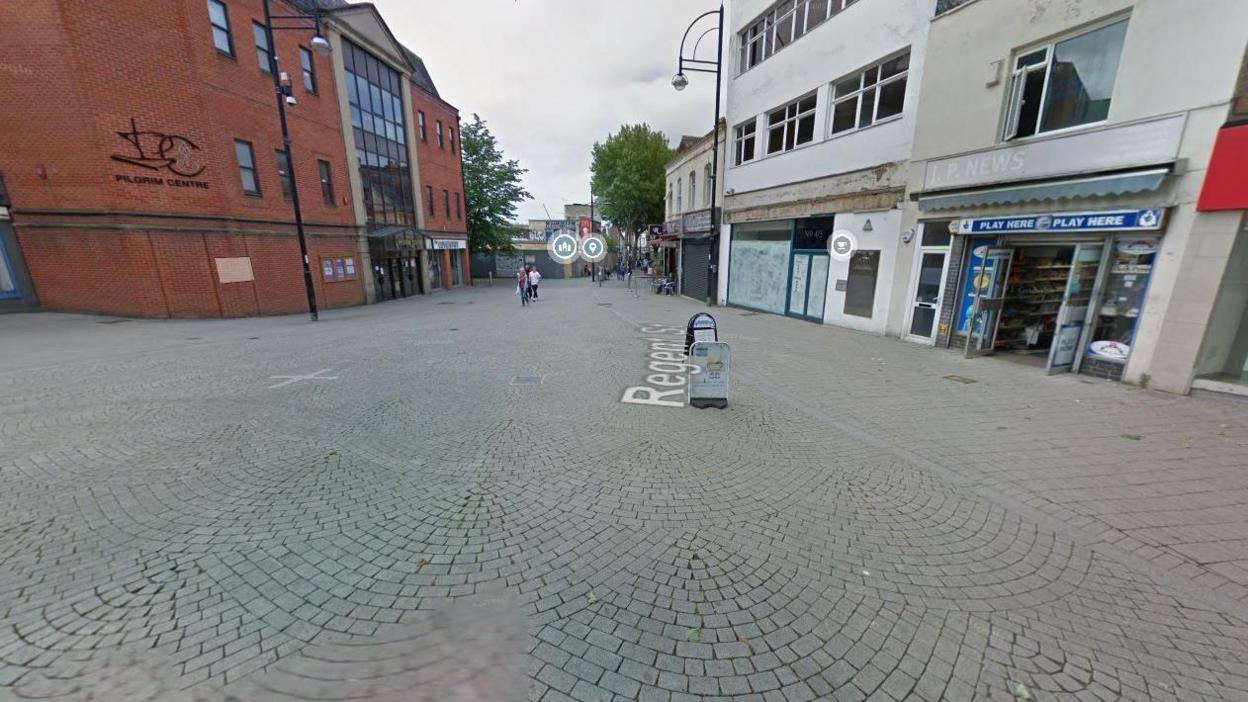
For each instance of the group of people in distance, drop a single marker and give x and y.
(527, 281)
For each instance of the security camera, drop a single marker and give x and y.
(290, 100)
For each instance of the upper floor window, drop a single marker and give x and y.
(219, 16)
(743, 141)
(1065, 84)
(680, 196)
(246, 167)
(283, 173)
(429, 196)
(420, 122)
(262, 46)
(446, 203)
(459, 214)
(707, 196)
(309, 71)
(450, 132)
(870, 96)
(325, 173)
(783, 24)
(693, 188)
(791, 126)
(670, 201)
(441, 143)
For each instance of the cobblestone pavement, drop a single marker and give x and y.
(433, 499)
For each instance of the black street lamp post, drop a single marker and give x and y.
(693, 64)
(284, 94)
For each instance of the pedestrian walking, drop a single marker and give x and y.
(535, 277)
(522, 286)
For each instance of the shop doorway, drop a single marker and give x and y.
(928, 290)
(808, 285)
(1034, 302)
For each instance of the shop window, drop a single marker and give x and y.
(1130, 268)
(871, 96)
(262, 46)
(758, 265)
(791, 125)
(1066, 84)
(219, 18)
(743, 142)
(8, 282)
(246, 167)
(864, 269)
(813, 233)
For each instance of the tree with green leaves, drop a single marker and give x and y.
(629, 171)
(492, 189)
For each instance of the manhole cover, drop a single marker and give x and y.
(112, 321)
(527, 380)
(961, 379)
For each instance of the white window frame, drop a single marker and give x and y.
(790, 122)
(693, 188)
(708, 183)
(1018, 81)
(739, 137)
(680, 196)
(766, 27)
(856, 96)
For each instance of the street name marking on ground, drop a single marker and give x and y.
(292, 379)
(666, 361)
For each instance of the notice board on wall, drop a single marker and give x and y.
(235, 270)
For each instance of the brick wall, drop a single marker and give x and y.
(1239, 109)
(77, 73)
(440, 167)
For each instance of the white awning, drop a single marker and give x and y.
(1099, 186)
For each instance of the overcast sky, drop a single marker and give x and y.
(550, 77)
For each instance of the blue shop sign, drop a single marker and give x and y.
(1117, 221)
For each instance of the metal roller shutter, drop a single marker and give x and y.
(695, 264)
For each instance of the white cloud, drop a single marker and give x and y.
(551, 77)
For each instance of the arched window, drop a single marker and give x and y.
(693, 188)
(680, 193)
(707, 181)
(669, 198)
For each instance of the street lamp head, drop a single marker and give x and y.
(680, 81)
(321, 45)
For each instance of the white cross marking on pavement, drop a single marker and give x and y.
(292, 379)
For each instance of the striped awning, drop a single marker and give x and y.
(1099, 186)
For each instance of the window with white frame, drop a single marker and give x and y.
(1065, 84)
(670, 201)
(870, 96)
(792, 125)
(693, 188)
(709, 184)
(743, 142)
(680, 194)
(786, 22)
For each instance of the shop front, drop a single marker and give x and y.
(395, 255)
(1063, 291)
(695, 255)
(781, 266)
(446, 262)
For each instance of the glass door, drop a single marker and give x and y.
(808, 285)
(989, 282)
(928, 294)
(1073, 314)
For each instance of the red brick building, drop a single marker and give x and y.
(440, 161)
(145, 177)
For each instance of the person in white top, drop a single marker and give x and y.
(535, 277)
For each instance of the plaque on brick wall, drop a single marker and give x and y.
(235, 270)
